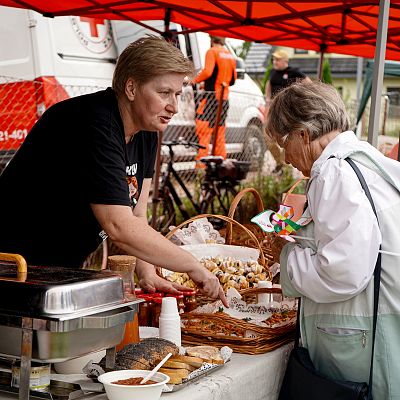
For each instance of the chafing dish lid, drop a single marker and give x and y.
(55, 290)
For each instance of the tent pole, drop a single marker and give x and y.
(360, 61)
(379, 66)
(321, 61)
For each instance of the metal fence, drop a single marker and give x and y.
(23, 102)
(389, 118)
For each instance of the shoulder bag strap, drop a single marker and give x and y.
(377, 271)
(377, 278)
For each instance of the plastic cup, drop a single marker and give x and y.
(170, 329)
(170, 321)
(169, 307)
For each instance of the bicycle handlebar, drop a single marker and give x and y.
(185, 143)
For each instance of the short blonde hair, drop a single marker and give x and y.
(312, 106)
(147, 58)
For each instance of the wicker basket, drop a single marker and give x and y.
(251, 238)
(296, 200)
(220, 329)
(236, 236)
(263, 339)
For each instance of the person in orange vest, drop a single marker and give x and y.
(219, 71)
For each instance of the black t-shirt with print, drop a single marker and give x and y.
(281, 79)
(75, 155)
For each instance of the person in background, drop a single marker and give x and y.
(281, 75)
(332, 264)
(82, 158)
(219, 71)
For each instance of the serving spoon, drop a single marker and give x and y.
(155, 369)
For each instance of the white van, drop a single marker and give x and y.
(45, 60)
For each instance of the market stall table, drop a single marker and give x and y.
(244, 377)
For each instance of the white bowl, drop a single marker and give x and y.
(126, 392)
(75, 365)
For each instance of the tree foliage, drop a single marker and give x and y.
(326, 72)
(242, 50)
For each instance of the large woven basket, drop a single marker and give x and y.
(238, 237)
(263, 339)
(220, 329)
(251, 239)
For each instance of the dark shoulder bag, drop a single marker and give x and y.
(302, 381)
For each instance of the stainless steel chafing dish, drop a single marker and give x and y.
(51, 314)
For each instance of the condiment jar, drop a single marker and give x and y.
(145, 309)
(138, 291)
(124, 265)
(131, 333)
(156, 311)
(39, 379)
(190, 300)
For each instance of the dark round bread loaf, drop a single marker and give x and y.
(144, 355)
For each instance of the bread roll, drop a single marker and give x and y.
(205, 352)
(196, 362)
(178, 372)
(175, 375)
(178, 365)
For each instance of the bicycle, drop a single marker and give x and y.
(217, 188)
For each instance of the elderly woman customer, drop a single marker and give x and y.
(84, 172)
(332, 269)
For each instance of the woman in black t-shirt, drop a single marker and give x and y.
(90, 161)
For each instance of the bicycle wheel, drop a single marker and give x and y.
(223, 202)
(166, 215)
(219, 203)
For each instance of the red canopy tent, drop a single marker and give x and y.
(336, 26)
(368, 29)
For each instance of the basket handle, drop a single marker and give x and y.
(235, 203)
(240, 195)
(256, 290)
(291, 189)
(22, 268)
(226, 219)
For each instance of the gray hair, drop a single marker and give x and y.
(147, 58)
(312, 106)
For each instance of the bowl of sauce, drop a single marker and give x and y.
(125, 385)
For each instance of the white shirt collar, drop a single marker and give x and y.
(333, 148)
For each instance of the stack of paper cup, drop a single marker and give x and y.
(264, 298)
(170, 321)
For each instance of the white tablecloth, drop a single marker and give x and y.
(244, 377)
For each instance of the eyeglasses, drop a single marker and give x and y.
(283, 141)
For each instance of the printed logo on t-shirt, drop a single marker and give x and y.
(132, 184)
(103, 235)
(285, 76)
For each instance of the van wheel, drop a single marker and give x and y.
(254, 147)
